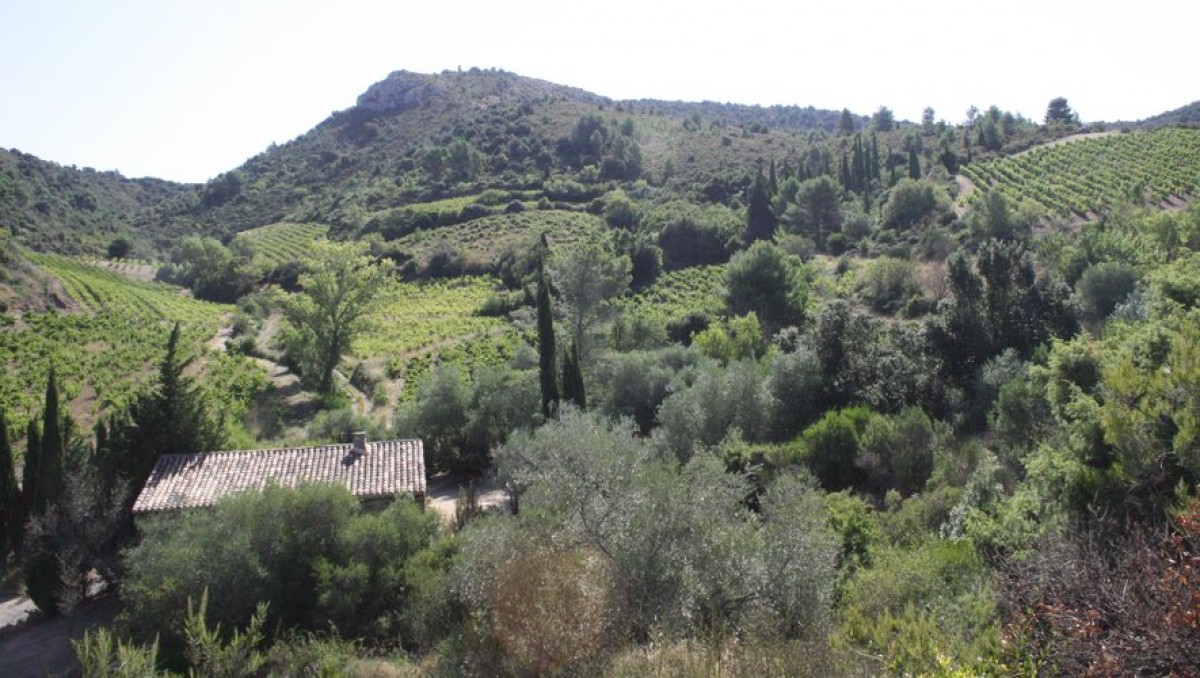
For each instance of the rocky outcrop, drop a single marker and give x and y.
(400, 90)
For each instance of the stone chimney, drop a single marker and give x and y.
(360, 443)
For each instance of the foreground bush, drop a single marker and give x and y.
(310, 553)
(618, 544)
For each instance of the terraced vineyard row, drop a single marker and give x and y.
(277, 243)
(110, 352)
(102, 290)
(418, 316)
(1090, 176)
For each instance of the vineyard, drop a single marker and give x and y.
(278, 243)
(482, 241)
(103, 290)
(677, 293)
(418, 321)
(106, 355)
(1086, 178)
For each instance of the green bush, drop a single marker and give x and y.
(1102, 287)
(923, 608)
(888, 284)
(830, 448)
(310, 553)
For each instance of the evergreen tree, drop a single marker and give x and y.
(846, 123)
(29, 474)
(9, 497)
(774, 180)
(1059, 112)
(914, 164)
(545, 329)
(171, 418)
(760, 218)
(572, 378)
(50, 471)
(873, 163)
(859, 167)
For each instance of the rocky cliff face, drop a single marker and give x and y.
(400, 90)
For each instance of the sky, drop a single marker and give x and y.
(186, 90)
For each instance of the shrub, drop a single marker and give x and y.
(922, 609)
(830, 448)
(887, 284)
(305, 551)
(1102, 287)
(669, 549)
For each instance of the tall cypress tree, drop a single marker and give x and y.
(773, 178)
(914, 164)
(50, 475)
(9, 497)
(545, 327)
(572, 380)
(32, 470)
(874, 159)
(760, 218)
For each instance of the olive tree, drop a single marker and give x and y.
(643, 545)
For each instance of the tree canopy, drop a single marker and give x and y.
(339, 288)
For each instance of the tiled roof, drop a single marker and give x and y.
(190, 480)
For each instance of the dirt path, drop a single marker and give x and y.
(965, 188)
(442, 495)
(1067, 140)
(42, 647)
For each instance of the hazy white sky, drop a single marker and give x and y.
(186, 90)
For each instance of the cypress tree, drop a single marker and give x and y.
(760, 218)
(774, 180)
(545, 329)
(30, 475)
(874, 159)
(572, 380)
(914, 164)
(50, 476)
(860, 164)
(9, 497)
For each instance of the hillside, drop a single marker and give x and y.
(66, 209)
(1188, 116)
(415, 138)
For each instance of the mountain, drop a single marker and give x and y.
(414, 138)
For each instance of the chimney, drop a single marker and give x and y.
(360, 443)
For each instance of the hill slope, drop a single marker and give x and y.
(1188, 115)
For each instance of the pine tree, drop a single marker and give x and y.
(572, 378)
(760, 218)
(545, 329)
(9, 496)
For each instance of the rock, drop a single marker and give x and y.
(400, 90)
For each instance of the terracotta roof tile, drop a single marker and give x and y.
(189, 480)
